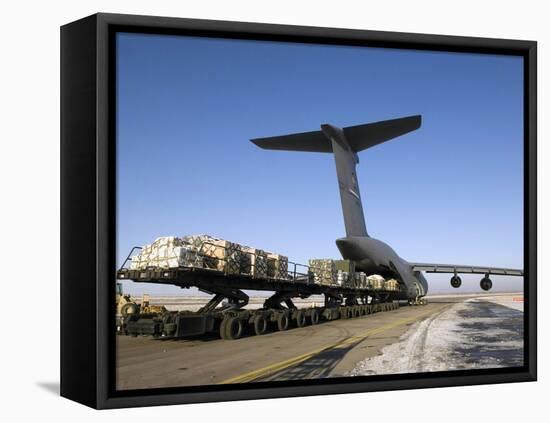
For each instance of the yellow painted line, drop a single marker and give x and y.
(281, 365)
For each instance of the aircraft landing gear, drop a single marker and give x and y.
(418, 301)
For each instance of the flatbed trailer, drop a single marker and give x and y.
(231, 320)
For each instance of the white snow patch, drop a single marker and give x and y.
(512, 301)
(438, 343)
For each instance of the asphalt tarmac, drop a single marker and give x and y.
(359, 346)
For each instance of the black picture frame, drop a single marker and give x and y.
(88, 197)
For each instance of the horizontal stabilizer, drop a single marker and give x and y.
(359, 137)
(305, 141)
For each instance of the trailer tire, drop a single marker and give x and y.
(234, 328)
(344, 313)
(260, 325)
(223, 325)
(282, 321)
(314, 316)
(300, 318)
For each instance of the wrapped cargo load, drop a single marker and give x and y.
(324, 271)
(376, 282)
(392, 285)
(360, 280)
(277, 266)
(345, 265)
(208, 252)
(343, 279)
(345, 270)
(166, 253)
(254, 262)
(218, 254)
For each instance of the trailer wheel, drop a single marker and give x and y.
(282, 321)
(223, 325)
(300, 319)
(233, 328)
(344, 313)
(314, 316)
(260, 325)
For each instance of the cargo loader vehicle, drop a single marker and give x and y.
(227, 275)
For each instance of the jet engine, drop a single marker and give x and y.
(486, 284)
(456, 281)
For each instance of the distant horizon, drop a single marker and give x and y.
(450, 192)
(266, 294)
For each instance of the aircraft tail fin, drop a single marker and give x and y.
(344, 144)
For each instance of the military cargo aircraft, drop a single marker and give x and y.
(371, 255)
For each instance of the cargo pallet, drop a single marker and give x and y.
(232, 320)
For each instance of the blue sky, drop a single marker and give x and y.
(450, 192)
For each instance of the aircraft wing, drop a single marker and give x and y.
(460, 268)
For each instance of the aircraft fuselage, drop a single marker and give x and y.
(373, 256)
